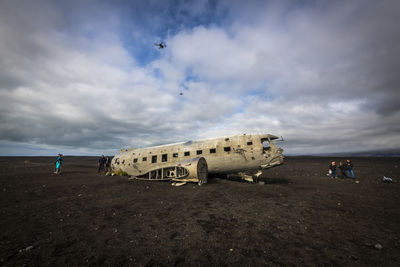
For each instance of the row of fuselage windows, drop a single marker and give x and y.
(164, 157)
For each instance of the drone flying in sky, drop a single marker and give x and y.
(160, 45)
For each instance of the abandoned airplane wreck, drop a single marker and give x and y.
(192, 161)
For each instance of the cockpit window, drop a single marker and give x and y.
(265, 144)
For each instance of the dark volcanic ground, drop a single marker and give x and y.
(299, 217)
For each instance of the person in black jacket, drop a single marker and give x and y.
(102, 161)
(349, 169)
(342, 170)
(108, 164)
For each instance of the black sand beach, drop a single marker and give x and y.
(299, 217)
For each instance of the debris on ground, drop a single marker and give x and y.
(28, 248)
(177, 183)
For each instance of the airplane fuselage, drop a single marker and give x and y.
(231, 154)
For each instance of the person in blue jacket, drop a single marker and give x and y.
(59, 162)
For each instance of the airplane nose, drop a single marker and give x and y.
(273, 137)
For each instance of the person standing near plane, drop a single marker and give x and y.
(349, 169)
(108, 164)
(102, 161)
(59, 162)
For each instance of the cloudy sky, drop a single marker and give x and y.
(84, 77)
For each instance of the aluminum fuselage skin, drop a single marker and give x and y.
(223, 155)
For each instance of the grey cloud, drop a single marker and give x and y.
(323, 75)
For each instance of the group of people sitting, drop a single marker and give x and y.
(346, 170)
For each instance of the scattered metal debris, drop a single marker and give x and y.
(178, 183)
(28, 248)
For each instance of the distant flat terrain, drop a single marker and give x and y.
(299, 217)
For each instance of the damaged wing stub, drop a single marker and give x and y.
(194, 160)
